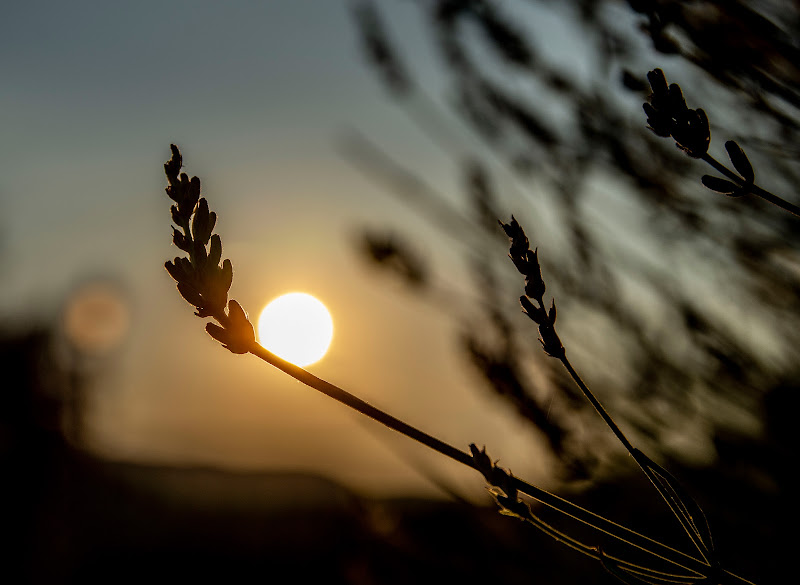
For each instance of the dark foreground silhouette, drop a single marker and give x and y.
(69, 517)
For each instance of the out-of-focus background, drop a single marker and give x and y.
(362, 152)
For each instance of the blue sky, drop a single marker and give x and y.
(256, 94)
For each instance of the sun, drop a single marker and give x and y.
(297, 327)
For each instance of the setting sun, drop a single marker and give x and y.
(296, 327)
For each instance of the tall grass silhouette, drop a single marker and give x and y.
(204, 279)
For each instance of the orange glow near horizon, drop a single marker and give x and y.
(297, 327)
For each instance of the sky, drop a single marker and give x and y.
(258, 95)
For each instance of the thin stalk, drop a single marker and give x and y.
(361, 406)
(565, 507)
(752, 188)
(597, 406)
(595, 553)
(527, 263)
(634, 453)
(690, 530)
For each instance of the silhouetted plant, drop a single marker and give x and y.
(686, 349)
(204, 283)
(601, 138)
(681, 504)
(668, 115)
(686, 337)
(201, 280)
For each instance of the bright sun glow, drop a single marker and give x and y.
(296, 327)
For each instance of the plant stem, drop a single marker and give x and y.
(636, 454)
(751, 187)
(591, 519)
(361, 406)
(597, 406)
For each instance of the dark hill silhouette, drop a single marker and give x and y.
(73, 518)
(70, 517)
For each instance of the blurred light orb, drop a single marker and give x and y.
(96, 318)
(297, 327)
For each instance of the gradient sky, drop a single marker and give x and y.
(257, 94)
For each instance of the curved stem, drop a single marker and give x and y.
(591, 519)
(722, 169)
(752, 188)
(361, 406)
(775, 200)
(675, 506)
(617, 531)
(598, 407)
